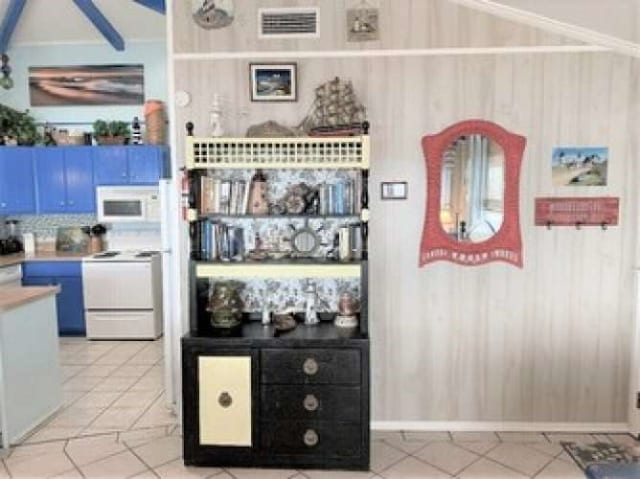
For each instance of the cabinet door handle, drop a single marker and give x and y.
(310, 438)
(71, 203)
(62, 203)
(4, 205)
(124, 175)
(310, 366)
(310, 403)
(225, 400)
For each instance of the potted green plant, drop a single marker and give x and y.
(111, 133)
(18, 126)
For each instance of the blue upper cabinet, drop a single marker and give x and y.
(17, 188)
(129, 165)
(111, 165)
(81, 193)
(145, 165)
(65, 180)
(50, 178)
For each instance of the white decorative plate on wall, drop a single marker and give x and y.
(211, 14)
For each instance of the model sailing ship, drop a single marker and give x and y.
(335, 111)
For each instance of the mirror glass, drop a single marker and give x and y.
(305, 242)
(472, 194)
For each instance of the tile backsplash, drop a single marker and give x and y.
(125, 236)
(45, 226)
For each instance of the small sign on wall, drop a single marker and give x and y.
(394, 190)
(577, 212)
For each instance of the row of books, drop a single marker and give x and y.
(224, 197)
(231, 197)
(339, 198)
(217, 241)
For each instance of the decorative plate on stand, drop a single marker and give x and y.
(212, 14)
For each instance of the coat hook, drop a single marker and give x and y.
(549, 223)
(578, 225)
(604, 225)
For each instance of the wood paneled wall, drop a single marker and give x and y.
(403, 24)
(550, 342)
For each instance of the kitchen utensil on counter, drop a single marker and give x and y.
(97, 238)
(29, 243)
(13, 243)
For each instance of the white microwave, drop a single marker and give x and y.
(117, 204)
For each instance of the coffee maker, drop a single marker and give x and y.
(12, 243)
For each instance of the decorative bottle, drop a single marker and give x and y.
(258, 203)
(310, 316)
(136, 132)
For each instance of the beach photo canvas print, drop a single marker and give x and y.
(580, 166)
(86, 85)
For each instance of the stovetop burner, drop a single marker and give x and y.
(146, 254)
(107, 254)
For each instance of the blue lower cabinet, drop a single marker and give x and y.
(71, 307)
(70, 301)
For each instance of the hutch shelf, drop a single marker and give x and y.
(256, 397)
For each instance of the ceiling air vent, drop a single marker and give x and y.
(296, 22)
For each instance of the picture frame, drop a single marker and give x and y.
(579, 165)
(273, 82)
(86, 85)
(394, 190)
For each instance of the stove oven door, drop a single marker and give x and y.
(113, 285)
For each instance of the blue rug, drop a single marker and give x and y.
(604, 460)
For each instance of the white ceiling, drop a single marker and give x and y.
(60, 21)
(617, 18)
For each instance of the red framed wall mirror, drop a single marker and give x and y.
(472, 211)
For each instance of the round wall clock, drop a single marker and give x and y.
(210, 14)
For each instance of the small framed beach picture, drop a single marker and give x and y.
(580, 165)
(274, 82)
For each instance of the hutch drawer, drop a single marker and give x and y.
(317, 438)
(340, 403)
(310, 366)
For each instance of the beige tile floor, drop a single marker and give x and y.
(114, 424)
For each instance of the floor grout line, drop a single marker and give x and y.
(64, 450)
(141, 460)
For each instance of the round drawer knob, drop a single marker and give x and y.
(310, 402)
(310, 366)
(310, 438)
(225, 399)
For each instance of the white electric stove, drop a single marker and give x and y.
(123, 295)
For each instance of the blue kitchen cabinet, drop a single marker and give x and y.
(81, 193)
(129, 165)
(145, 165)
(50, 180)
(17, 188)
(111, 165)
(64, 176)
(70, 306)
(70, 302)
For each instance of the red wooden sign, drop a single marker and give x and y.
(577, 211)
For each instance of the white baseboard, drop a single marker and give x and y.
(480, 426)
